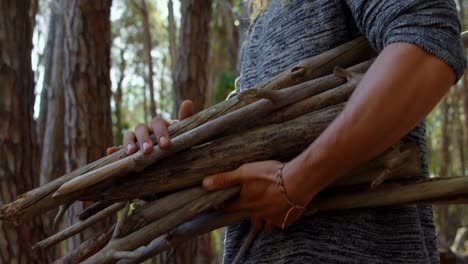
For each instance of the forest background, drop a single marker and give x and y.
(75, 75)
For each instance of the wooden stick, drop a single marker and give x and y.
(394, 194)
(39, 200)
(125, 255)
(87, 248)
(62, 209)
(331, 90)
(246, 245)
(121, 222)
(93, 209)
(78, 227)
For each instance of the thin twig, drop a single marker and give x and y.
(94, 209)
(78, 227)
(58, 217)
(125, 255)
(246, 245)
(121, 221)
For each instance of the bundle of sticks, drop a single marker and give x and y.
(160, 194)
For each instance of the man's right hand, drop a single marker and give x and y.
(158, 127)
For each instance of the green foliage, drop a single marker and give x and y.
(216, 236)
(225, 86)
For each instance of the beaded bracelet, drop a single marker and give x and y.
(280, 185)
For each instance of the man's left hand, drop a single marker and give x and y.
(260, 195)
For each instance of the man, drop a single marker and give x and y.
(420, 57)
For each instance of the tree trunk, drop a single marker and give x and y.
(52, 162)
(48, 55)
(191, 76)
(52, 159)
(88, 125)
(118, 136)
(18, 164)
(172, 30)
(162, 90)
(145, 109)
(148, 46)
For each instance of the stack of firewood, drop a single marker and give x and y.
(160, 194)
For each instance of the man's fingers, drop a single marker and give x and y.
(186, 109)
(112, 149)
(159, 126)
(129, 142)
(257, 223)
(238, 206)
(222, 180)
(269, 226)
(142, 134)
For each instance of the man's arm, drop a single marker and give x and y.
(421, 55)
(397, 92)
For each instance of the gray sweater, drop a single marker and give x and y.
(290, 30)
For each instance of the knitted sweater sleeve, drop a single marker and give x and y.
(432, 25)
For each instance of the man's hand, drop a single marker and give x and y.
(158, 127)
(260, 195)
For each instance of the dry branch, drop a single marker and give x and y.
(93, 209)
(246, 245)
(121, 222)
(78, 227)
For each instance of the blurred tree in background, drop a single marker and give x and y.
(18, 144)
